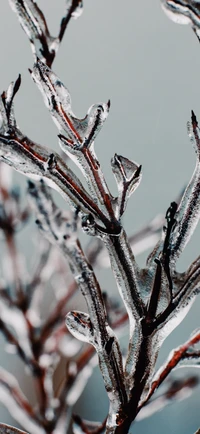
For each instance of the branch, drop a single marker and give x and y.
(29, 361)
(187, 215)
(186, 12)
(175, 358)
(34, 24)
(12, 396)
(92, 328)
(176, 389)
(7, 429)
(34, 160)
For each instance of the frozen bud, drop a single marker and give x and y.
(128, 176)
(7, 117)
(80, 326)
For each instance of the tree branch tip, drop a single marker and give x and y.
(194, 119)
(138, 171)
(17, 84)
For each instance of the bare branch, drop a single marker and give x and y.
(7, 429)
(175, 357)
(12, 396)
(175, 390)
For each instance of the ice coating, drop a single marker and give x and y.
(175, 11)
(183, 12)
(80, 326)
(83, 326)
(58, 101)
(128, 176)
(20, 409)
(7, 429)
(33, 22)
(79, 134)
(187, 215)
(77, 11)
(156, 298)
(81, 380)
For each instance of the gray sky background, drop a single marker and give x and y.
(149, 67)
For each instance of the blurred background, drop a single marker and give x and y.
(149, 67)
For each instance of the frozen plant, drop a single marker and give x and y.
(156, 298)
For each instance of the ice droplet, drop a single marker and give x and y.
(79, 325)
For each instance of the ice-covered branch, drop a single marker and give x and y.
(33, 22)
(79, 143)
(92, 328)
(79, 135)
(7, 429)
(176, 358)
(128, 176)
(12, 396)
(174, 390)
(183, 12)
(187, 214)
(37, 161)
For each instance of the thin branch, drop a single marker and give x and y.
(11, 394)
(174, 359)
(92, 328)
(30, 362)
(176, 389)
(34, 24)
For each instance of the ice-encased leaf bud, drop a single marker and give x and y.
(6, 106)
(79, 324)
(128, 176)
